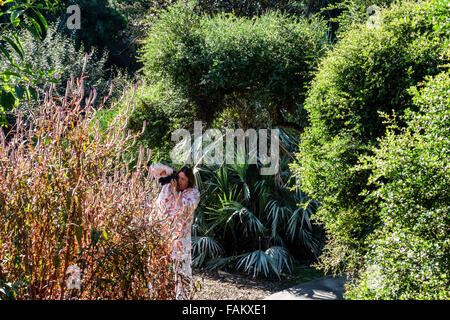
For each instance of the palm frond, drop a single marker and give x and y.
(278, 239)
(222, 179)
(218, 263)
(293, 222)
(222, 215)
(262, 193)
(306, 208)
(257, 260)
(274, 259)
(281, 259)
(241, 170)
(308, 240)
(245, 215)
(199, 224)
(277, 213)
(204, 247)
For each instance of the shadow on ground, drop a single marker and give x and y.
(326, 288)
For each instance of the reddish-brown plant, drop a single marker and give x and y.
(69, 200)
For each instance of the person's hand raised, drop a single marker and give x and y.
(173, 187)
(177, 194)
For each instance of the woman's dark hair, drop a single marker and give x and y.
(189, 174)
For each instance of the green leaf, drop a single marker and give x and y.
(37, 27)
(42, 19)
(15, 20)
(6, 53)
(7, 100)
(31, 30)
(16, 47)
(19, 91)
(51, 71)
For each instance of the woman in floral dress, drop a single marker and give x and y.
(178, 201)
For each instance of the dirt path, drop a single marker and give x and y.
(233, 286)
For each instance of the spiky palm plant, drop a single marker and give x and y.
(247, 220)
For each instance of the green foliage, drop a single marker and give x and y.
(354, 12)
(439, 12)
(163, 109)
(251, 222)
(367, 72)
(15, 81)
(267, 59)
(411, 171)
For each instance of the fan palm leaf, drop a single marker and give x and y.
(241, 170)
(277, 213)
(257, 260)
(281, 258)
(246, 216)
(273, 259)
(203, 247)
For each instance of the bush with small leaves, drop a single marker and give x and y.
(368, 71)
(411, 168)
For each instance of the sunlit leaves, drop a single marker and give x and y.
(411, 169)
(20, 17)
(367, 73)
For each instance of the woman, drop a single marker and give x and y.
(178, 201)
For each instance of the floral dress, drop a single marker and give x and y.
(182, 216)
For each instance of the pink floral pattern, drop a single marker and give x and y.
(182, 216)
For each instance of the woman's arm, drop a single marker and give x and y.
(159, 170)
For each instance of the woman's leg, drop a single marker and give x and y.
(183, 276)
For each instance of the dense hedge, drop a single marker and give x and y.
(367, 72)
(410, 258)
(267, 59)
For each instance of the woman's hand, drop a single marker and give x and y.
(177, 194)
(173, 187)
(178, 200)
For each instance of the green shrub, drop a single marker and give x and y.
(252, 222)
(411, 170)
(163, 109)
(368, 71)
(267, 59)
(57, 53)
